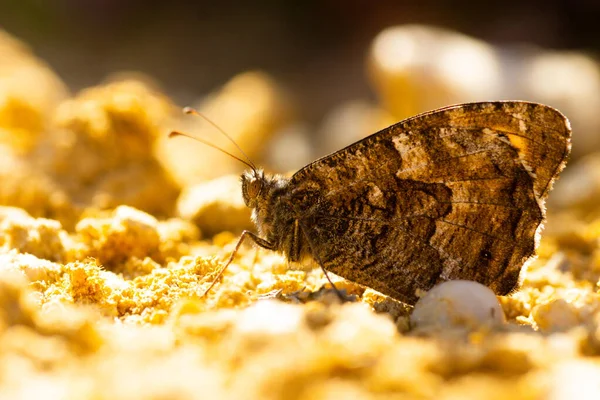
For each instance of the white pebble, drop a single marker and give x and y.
(458, 303)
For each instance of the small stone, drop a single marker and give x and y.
(575, 91)
(127, 233)
(415, 68)
(458, 303)
(555, 316)
(215, 206)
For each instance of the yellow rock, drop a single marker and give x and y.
(249, 108)
(416, 68)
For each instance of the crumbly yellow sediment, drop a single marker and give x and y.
(139, 319)
(61, 156)
(105, 141)
(29, 95)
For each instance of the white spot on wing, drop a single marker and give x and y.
(402, 143)
(376, 196)
(522, 125)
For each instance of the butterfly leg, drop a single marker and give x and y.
(313, 251)
(255, 238)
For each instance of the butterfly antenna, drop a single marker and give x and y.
(190, 110)
(177, 133)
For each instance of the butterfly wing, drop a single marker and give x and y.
(457, 193)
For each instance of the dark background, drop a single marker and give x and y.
(315, 48)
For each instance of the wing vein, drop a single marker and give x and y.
(416, 238)
(414, 216)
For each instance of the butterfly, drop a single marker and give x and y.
(455, 193)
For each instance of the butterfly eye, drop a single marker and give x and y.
(254, 188)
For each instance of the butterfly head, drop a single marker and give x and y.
(253, 186)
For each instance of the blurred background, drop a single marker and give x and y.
(89, 89)
(316, 49)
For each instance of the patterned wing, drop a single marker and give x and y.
(457, 193)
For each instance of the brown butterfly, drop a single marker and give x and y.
(455, 193)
